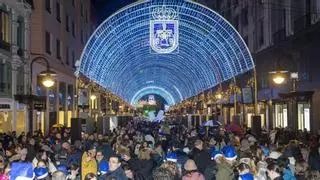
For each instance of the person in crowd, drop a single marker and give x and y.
(274, 172)
(314, 158)
(41, 173)
(146, 164)
(163, 173)
(103, 169)
(182, 157)
(171, 164)
(4, 174)
(283, 163)
(244, 172)
(59, 175)
(31, 150)
(158, 155)
(88, 162)
(200, 155)
(211, 169)
(43, 156)
(115, 169)
(191, 171)
(225, 168)
(100, 157)
(90, 176)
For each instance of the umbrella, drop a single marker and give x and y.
(212, 123)
(235, 128)
(58, 126)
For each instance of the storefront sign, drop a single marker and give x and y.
(247, 95)
(39, 103)
(39, 106)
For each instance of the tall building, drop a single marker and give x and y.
(59, 31)
(282, 35)
(14, 58)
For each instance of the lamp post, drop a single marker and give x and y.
(278, 77)
(47, 81)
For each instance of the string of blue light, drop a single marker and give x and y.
(118, 55)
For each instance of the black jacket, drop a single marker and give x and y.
(210, 171)
(118, 174)
(201, 158)
(146, 168)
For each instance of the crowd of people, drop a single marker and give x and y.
(156, 151)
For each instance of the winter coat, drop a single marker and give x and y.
(210, 171)
(88, 167)
(51, 167)
(118, 174)
(146, 168)
(182, 157)
(247, 176)
(202, 158)
(225, 172)
(314, 160)
(288, 175)
(74, 158)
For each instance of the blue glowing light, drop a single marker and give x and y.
(118, 56)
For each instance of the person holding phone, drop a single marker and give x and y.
(88, 162)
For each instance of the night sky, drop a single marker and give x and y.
(104, 8)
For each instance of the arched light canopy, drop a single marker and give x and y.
(174, 48)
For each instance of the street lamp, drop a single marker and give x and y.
(93, 97)
(218, 96)
(47, 81)
(278, 77)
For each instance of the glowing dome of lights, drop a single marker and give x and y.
(118, 54)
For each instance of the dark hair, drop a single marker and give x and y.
(114, 156)
(126, 167)
(283, 162)
(90, 176)
(274, 167)
(162, 174)
(243, 166)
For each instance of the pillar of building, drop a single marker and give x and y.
(15, 65)
(66, 105)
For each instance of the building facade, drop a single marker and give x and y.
(14, 58)
(59, 31)
(282, 35)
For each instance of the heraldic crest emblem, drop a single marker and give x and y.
(164, 30)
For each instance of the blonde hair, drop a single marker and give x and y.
(144, 154)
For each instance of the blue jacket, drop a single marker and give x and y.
(247, 176)
(288, 175)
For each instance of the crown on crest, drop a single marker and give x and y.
(164, 13)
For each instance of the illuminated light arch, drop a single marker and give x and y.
(118, 55)
(153, 90)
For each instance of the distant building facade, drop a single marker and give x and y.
(59, 31)
(282, 35)
(14, 58)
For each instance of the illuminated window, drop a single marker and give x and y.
(304, 116)
(4, 36)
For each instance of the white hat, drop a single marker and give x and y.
(274, 155)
